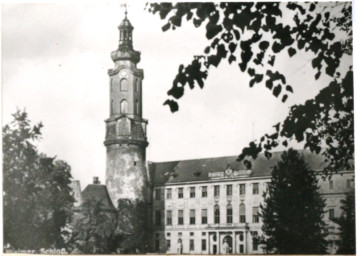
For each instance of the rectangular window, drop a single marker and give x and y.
(157, 194)
(349, 183)
(192, 217)
(242, 189)
(255, 188)
(168, 217)
(204, 191)
(180, 217)
(216, 190)
(330, 184)
(255, 215)
(157, 218)
(331, 214)
(204, 245)
(242, 218)
(255, 240)
(180, 192)
(157, 245)
(169, 193)
(241, 248)
(192, 192)
(168, 244)
(229, 190)
(192, 245)
(229, 215)
(204, 216)
(216, 214)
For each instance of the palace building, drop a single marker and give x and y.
(194, 206)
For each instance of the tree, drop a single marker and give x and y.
(293, 209)
(37, 197)
(95, 230)
(253, 35)
(347, 225)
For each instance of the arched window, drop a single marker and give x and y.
(216, 214)
(229, 213)
(242, 213)
(123, 107)
(124, 85)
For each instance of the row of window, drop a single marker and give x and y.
(349, 184)
(204, 218)
(204, 243)
(204, 193)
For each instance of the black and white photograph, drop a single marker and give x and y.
(178, 128)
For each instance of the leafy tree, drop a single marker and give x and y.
(293, 209)
(132, 223)
(37, 197)
(347, 225)
(95, 230)
(253, 35)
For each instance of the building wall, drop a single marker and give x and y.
(242, 234)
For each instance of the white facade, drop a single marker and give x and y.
(178, 209)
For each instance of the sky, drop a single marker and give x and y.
(55, 59)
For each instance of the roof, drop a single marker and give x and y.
(98, 193)
(184, 171)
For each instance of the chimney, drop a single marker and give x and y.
(96, 180)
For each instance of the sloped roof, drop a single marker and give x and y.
(98, 193)
(184, 171)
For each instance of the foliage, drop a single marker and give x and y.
(347, 225)
(326, 121)
(293, 209)
(37, 196)
(132, 223)
(94, 230)
(252, 34)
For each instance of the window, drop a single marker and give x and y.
(168, 217)
(123, 107)
(180, 192)
(192, 245)
(169, 193)
(255, 240)
(157, 194)
(216, 214)
(204, 245)
(242, 213)
(157, 218)
(255, 215)
(242, 189)
(229, 214)
(204, 191)
(255, 188)
(349, 183)
(137, 85)
(192, 217)
(216, 190)
(168, 244)
(192, 192)
(204, 216)
(330, 184)
(331, 214)
(229, 190)
(241, 248)
(180, 217)
(124, 85)
(137, 107)
(157, 245)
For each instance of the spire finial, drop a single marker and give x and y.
(126, 10)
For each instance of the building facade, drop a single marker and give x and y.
(202, 205)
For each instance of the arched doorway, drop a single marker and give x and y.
(227, 243)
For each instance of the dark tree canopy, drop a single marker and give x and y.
(347, 225)
(293, 209)
(251, 36)
(37, 197)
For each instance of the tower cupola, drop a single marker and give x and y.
(126, 34)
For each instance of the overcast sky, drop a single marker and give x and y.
(55, 59)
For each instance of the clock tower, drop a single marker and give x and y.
(125, 140)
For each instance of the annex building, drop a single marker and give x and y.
(199, 206)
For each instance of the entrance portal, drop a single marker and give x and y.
(227, 245)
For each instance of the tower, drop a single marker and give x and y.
(125, 140)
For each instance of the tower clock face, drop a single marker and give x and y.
(123, 73)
